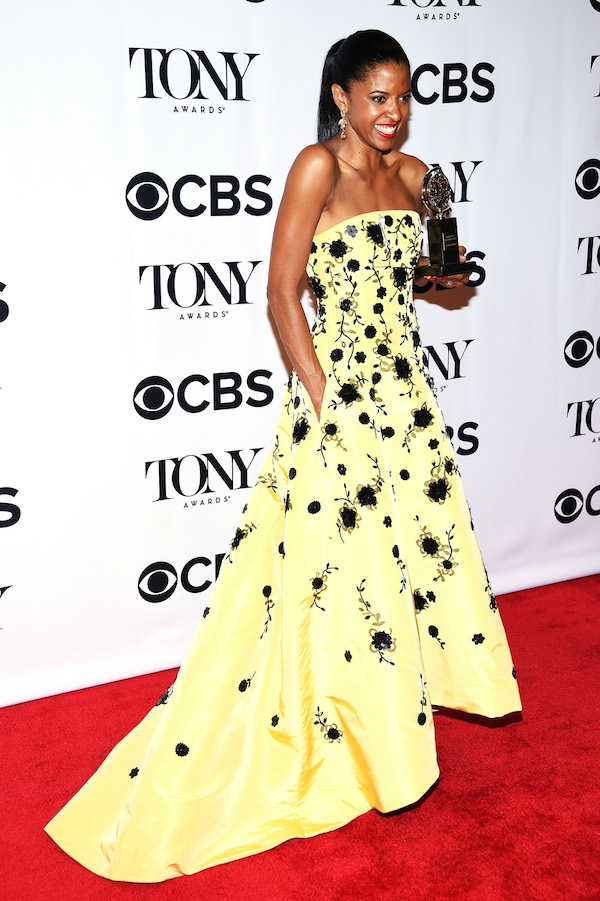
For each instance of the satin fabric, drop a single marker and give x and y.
(352, 597)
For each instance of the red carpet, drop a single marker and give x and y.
(516, 814)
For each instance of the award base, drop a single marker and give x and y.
(444, 253)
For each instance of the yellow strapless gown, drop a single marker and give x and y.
(353, 596)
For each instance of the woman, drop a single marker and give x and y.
(354, 594)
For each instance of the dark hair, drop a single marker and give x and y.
(349, 60)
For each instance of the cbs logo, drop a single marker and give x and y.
(454, 81)
(147, 195)
(587, 179)
(159, 580)
(579, 349)
(154, 396)
(570, 503)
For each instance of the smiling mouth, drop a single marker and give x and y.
(387, 131)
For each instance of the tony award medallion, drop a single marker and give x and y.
(444, 255)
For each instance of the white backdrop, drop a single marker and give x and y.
(107, 554)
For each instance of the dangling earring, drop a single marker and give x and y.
(343, 123)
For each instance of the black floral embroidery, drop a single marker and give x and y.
(348, 656)
(240, 534)
(301, 429)
(133, 773)
(331, 731)
(437, 490)
(314, 507)
(387, 521)
(422, 603)
(319, 585)
(246, 683)
(274, 720)
(493, 604)
(382, 640)
(338, 248)
(165, 697)
(422, 418)
(375, 234)
(317, 287)
(349, 393)
(366, 495)
(205, 612)
(348, 516)
(399, 277)
(444, 552)
(331, 433)
(422, 717)
(403, 368)
(478, 638)
(269, 604)
(435, 633)
(181, 750)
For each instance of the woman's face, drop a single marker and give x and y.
(376, 106)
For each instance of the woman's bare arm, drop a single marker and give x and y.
(308, 189)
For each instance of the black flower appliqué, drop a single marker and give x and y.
(382, 640)
(331, 731)
(349, 393)
(338, 248)
(375, 234)
(300, 430)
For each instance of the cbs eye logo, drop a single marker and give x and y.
(154, 396)
(587, 179)
(570, 503)
(159, 580)
(579, 349)
(147, 195)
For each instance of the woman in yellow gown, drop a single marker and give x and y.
(353, 595)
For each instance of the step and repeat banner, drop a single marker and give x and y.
(144, 153)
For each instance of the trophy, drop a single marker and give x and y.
(444, 255)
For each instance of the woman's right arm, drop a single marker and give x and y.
(308, 190)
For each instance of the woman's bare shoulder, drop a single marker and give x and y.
(412, 170)
(316, 160)
(312, 178)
